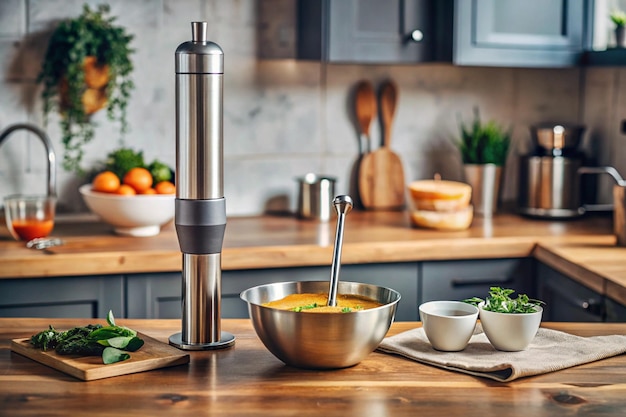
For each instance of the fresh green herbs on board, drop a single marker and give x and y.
(112, 342)
(499, 300)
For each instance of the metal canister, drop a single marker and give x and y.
(315, 197)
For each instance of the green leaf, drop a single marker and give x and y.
(134, 344)
(119, 342)
(113, 355)
(129, 343)
(110, 332)
(110, 318)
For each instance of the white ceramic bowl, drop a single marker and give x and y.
(139, 215)
(510, 332)
(449, 325)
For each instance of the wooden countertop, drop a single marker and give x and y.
(248, 380)
(582, 248)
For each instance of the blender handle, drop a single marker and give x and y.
(601, 170)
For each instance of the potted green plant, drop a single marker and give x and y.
(509, 323)
(484, 148)
(86, 68)
(618, 17)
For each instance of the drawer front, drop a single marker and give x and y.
(84, 297)
(402, 277)
(615, 312)
(566, 299)
(458, 280)
(159, 295)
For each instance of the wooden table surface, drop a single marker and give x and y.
(248, 380)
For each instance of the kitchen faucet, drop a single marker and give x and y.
(200, 207)
(48, 145)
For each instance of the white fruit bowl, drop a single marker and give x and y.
(138, 215)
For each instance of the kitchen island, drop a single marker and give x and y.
(248, 380)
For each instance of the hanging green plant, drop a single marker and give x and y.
(86, 68)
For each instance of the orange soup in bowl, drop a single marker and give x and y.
(316, 303)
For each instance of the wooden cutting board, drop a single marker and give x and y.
(152, 355)
(381, 176)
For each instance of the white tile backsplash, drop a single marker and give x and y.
(284, 118)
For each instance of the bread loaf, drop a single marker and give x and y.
(440, 195)
(443, 220)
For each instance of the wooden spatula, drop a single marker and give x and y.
(365, 109)
(381, 176)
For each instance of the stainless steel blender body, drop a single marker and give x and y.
(200, 213)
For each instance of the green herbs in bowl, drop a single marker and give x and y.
(510, 324)
(499, 300)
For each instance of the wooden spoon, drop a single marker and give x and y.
(381, 175)
(365, 108)
(388, 100)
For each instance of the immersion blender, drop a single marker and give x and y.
(200, 208)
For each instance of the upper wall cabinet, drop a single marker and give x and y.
(516, 33)
(504, 33)
(365, 31)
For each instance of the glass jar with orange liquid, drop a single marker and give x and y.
(29, 216)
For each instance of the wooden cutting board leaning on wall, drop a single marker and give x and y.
(381, 176)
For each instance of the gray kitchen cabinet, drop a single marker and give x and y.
(461, 279)
(615, 312)
(501, 33)
(88, 297)
(513, 33)
(365, 31)
(566, 299)
(159, 295)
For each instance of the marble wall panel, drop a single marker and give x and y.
(284, 118)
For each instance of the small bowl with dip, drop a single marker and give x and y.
(448, 325)
(29, 217)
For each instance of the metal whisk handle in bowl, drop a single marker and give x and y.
(343, 204)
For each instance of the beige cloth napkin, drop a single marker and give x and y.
(549, 351)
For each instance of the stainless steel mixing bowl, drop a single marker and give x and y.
(320, 340)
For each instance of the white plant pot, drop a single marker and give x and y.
(510, 332)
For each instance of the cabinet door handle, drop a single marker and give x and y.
(591, 305)
(456, 283)
(416, 36)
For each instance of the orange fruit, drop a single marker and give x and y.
(96, 74)
(105, 182)
(165, 187)
(126, 189)
(148, 191)
(139, 178)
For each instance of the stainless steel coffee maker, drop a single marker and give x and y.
(550, 181)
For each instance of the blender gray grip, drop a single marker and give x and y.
(200, 225)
